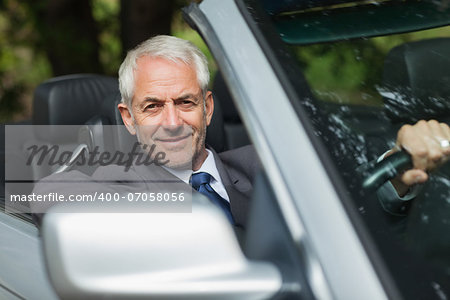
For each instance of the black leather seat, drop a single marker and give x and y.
(415, 85)
(416, 81)
(70, 100)
(65, 100)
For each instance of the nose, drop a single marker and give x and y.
(171, 116)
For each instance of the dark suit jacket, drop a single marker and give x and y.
(237, 169)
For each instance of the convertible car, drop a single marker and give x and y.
(320, 88)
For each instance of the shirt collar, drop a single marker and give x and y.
(184, 175)
(208, 166)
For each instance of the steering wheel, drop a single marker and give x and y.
(387, 169)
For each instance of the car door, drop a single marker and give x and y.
(316, 161)
(22, 273)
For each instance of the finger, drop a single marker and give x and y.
(446, 134)
(435, 150)
(445, 130)
(414, 176)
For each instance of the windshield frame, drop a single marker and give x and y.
(239, 59)
(391, 267)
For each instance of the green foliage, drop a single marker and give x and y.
(106, 14)
(22, 66)
(24, 55)
(24, 59)
(352, 69)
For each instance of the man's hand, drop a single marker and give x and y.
(428, 144)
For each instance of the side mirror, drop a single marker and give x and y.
(152, 255)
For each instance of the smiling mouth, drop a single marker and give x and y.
(173, 139)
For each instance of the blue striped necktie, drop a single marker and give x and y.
(201, 183)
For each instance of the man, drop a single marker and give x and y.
(165, 102)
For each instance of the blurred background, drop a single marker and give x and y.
(47, 38)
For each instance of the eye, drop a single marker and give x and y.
(186, 103)
(153, 106)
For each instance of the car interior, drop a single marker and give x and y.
(91, 100)
(413, 85)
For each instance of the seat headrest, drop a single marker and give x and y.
(109, 111)
(416, 80)
(70, 100)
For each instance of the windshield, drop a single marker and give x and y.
(365, 69)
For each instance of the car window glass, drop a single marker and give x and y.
(365, 96)
(362, 91)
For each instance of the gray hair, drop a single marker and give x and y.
(167, 47)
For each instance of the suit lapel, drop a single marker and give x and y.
(239, 200)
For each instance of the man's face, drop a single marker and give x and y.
(169, 111)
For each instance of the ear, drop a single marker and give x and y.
(209, 107)
(127, 118)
